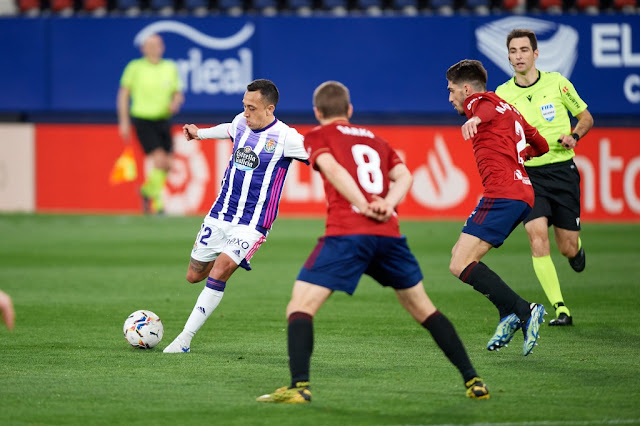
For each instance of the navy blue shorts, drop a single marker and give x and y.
(337, 263)
(495, 218)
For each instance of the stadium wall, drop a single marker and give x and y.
(67, 69)
(66, 169)
(393, 65)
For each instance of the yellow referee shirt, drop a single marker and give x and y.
(151, 87)
(544, 105)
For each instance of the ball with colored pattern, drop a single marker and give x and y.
(143, 329)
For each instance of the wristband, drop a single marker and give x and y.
(575, 136)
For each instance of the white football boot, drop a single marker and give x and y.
(178, 346)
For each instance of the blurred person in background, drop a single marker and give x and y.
(543, 99)
(150, 94)
(6, 307)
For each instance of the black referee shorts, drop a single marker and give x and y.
(557, 189)
(153, 134)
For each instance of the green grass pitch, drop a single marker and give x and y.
(74, 280)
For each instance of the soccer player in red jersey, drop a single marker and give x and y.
(502, 140)
(362, 236)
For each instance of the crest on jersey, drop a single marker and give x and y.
(548, 111)
(245, 159)
(270, 146)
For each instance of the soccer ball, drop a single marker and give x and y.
(143, 329)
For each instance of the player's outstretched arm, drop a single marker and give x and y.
(221, 131)
(190, 132)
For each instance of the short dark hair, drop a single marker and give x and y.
(332, 99)
(468, 71)
(519, 33)
(267, 89)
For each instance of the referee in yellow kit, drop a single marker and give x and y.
(544, 99)
(150, 94)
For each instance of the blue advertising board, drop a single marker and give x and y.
(24, 48)
(393, 65)
(600, 55)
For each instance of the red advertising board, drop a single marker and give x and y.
(73, 164)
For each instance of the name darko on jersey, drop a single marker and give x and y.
(355, 131)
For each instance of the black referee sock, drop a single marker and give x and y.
(300, 345)
(447, 339)
(487, 282)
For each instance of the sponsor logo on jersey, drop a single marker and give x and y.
(559, 42)
(569, 96)
(238, 242)
(517, 175)
(270, 146)
(529, 97)
(245, 159)
(472, 101)
(548, 111)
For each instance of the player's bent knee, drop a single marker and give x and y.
(455, 269)
(194, 278)
(569, 251)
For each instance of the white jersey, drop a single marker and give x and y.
(252, 184)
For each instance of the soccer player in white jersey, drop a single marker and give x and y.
(247, 204)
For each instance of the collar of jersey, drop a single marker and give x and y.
(526, 87)
(275, 120)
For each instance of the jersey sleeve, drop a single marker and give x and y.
(294, 146)
(127, 75)
(570, 97)
(233, 128)
(392, 157)
(177, 80)
(315, 145)
(484, 110)
(221, 131)
(537, 144)
(500, 90)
